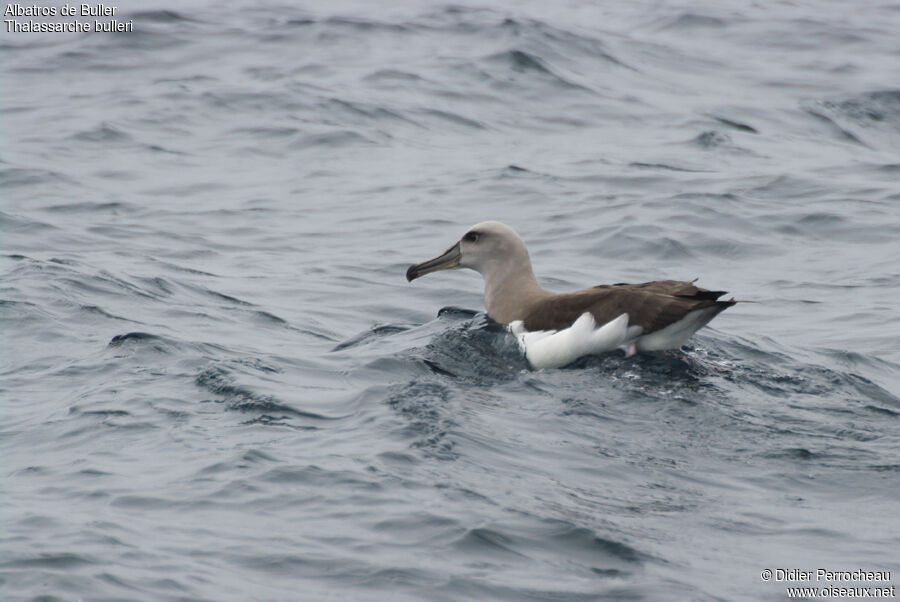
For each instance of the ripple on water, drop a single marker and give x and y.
(219, 381)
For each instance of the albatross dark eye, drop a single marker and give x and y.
(472, 236)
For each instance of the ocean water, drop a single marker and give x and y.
(218, 385)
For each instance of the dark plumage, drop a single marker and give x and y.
(650, 305)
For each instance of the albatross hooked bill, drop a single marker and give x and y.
(445, 261)
(555, 329)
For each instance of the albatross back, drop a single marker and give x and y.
(651, 305)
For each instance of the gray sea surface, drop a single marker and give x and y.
(218, 385)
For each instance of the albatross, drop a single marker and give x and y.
(555, 329)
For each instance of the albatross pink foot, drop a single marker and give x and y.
(630, 350)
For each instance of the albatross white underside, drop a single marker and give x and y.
(558, 348)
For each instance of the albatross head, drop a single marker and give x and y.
(500, 256)
(490, 248)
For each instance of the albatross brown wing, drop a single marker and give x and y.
(650, 305)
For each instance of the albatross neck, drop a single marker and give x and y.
(510, 291)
